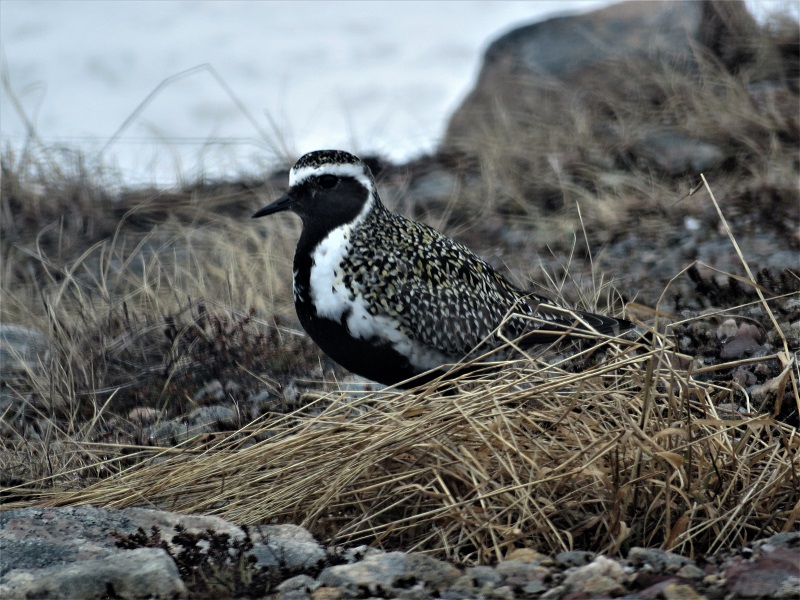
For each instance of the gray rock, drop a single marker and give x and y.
(554, 593)
(392, 573)
(210, 392)
(690, 571)
(534, 587)
(208, 418)
(520, 571)
(789, 539)
(34, 538)
(263, 401)
(357, 553)
(34, 543)
(464, 584)
(168, 432)
(675, 153)
(288, 546)
(561, 49)
(532, 73)
(21, 349)
(574, 558)
(563, 45)
(504, 592)
(299, 586)
(660, 560)
(434, 186)
(603, 576)
(140, 573)
(483, 576)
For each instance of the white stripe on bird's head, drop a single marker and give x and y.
(308, 167)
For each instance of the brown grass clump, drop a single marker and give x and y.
(545, 145)
(630, 451)
(620, 445)
(143, 297)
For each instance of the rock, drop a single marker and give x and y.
(391, 573)
(35, 538)
(35, 543)
(464, 584)
(520, 572)
(212, 418)
(297, 586)
(434, 186)
(738, 347)
(602, 576)
(70, 552)
(787, 539)
(21, 349)
(532, 73)
(285, 546)
(775, 574)
(292, 393)
(660, 560)
(204, 419)
(357, 553)
(744, 377)
(503, 592)
(210, 392)
(526, 555)
(554, 593)
(144, 415)
(690, 571)
(675, 153)
(484, 576)
(727, 330)
(140, 573)
(574, 558)
(534, 587)
(738, 340)
(680, 591)
(327, 593)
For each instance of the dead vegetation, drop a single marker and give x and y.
(605, 143)
(145, 296)
(631, 451)
(622, 444)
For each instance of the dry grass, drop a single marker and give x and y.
(545, 146)
(631, 451)
(623, 444)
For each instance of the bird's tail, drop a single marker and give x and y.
(550, 323)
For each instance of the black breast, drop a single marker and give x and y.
(372, 358)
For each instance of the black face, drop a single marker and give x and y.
(323, 202)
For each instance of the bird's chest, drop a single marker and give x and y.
(325, 287)
(335, 281)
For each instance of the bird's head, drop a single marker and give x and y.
(327, 188)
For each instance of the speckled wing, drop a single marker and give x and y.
(455, 315)
(445, 297)
(449, 317)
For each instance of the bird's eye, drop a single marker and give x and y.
(328, 181)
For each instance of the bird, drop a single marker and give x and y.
(395, 300)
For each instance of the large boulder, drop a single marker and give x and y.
(540, 73)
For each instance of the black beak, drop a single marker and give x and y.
(285, 202)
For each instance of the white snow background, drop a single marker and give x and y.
(375, 76)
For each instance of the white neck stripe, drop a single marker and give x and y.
(298, 176)
(368, 205)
